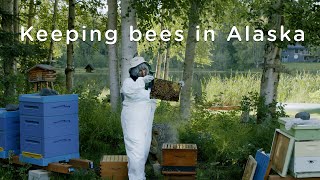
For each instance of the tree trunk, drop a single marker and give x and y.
(167, 62)
(185, 101)
(159, 62)
(7, 25)
(128, 48)
(270, 74)
(113, 60)
(55, 8)
(70, 68)
(16, 31)
(30, 17)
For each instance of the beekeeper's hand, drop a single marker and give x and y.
(147, 78)
(181, 83)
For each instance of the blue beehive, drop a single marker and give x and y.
(49, 128)
(9, 133)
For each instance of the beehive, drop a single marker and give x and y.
(49, 128)
(165, 90)
(9, 133)
(179, 159)
(114, 167)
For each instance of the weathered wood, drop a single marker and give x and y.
(60, 168)
(81, 163)
(250, 169)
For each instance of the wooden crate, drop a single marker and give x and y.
(179, 159)
(179, 154)
(114, 167)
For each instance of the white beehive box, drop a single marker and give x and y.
(305, 161)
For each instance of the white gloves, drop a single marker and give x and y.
(147, 78)
(181, 83)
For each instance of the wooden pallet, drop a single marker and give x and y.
(64, 168)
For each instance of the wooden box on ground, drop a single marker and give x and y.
(179, 159)
(165, 90)
(114, 167)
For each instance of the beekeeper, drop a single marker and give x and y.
(137, 117)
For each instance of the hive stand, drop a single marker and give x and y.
(64, 168)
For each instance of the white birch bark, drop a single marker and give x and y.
(270, 74)
(128, 48)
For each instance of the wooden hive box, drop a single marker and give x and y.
(165, 90)
(114, 167)
(179, 159)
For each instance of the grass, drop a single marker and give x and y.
(301, 87)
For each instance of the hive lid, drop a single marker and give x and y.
(7, 114)
(179, 146)
(44, 99)
(311, 124)
(114, 158)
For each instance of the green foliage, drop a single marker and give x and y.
(10, 171)
(253, 102)
(100, 129)
(224, 143)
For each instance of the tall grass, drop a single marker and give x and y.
(301, 87)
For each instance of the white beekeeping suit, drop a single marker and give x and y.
(136, 120)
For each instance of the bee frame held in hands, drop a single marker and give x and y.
(165, 90)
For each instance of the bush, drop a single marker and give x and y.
(100, 128)
(224, 143)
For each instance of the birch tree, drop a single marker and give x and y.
(113, 59)
(270, 73)
(128, 48)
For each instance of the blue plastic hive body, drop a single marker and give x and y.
(51, 147)
(9, 132)
(49, 128)
(36, 105)
(262, 165)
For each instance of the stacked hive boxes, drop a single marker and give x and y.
(48, 128)
(305, 159)
(9, 133)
